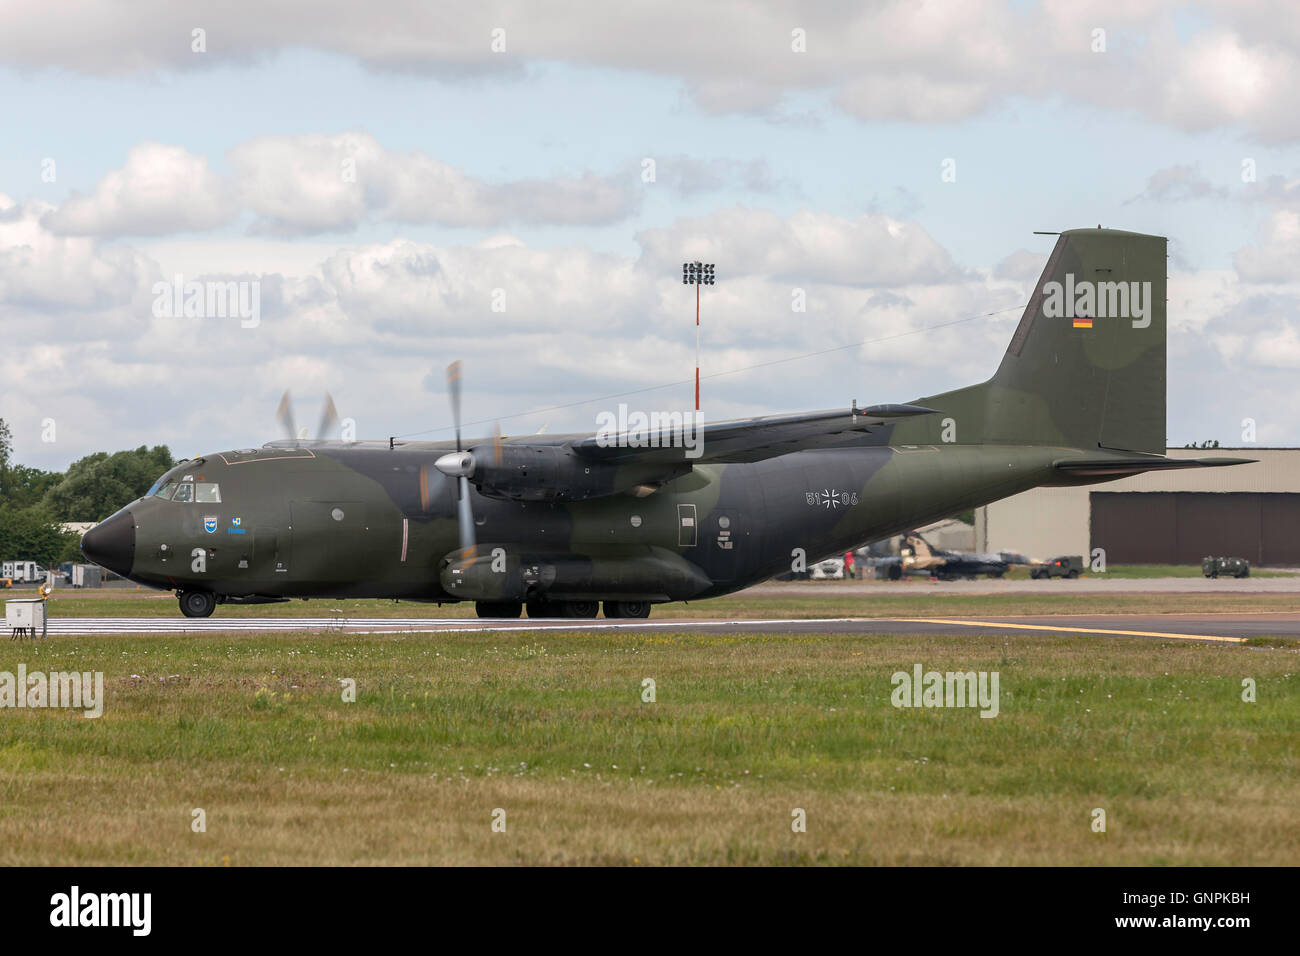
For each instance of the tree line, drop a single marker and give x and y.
(34, 503)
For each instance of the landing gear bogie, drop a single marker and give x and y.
(627, 609)
(574, 609)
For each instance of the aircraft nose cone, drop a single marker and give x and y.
(111, 543)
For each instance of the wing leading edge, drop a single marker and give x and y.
(741, 440)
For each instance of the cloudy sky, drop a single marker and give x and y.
(516, 184)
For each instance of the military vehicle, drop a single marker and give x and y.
(558, 524)
(1212, 567)
(1070, 566)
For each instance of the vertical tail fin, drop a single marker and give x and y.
(1086, 366)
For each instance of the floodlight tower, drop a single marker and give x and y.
(697, 274)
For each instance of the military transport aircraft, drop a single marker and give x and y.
(560, 523)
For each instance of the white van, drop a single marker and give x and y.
(22, 572)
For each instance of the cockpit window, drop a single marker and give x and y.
(203, 492)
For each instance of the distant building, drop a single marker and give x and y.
(1175, 517)
(77, 527)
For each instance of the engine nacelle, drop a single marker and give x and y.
(521, 472)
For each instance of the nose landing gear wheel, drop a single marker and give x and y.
(627, 609)
(197, 603)
(498, 608)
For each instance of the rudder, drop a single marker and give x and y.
(1086, 366)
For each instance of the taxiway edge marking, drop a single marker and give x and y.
(1073, 630)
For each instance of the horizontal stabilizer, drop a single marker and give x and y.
(1119, 467)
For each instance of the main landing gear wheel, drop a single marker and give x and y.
(197, 603)
(545, 609)
(563, 608)
(627, 608)
(498, 608)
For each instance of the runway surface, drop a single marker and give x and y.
(1228, 628)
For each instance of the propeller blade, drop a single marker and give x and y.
(453, 388)
(329, 417)
(468, 546)
(284, 414)
(465, 463)
(496, 443)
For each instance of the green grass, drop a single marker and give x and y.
(552, 728)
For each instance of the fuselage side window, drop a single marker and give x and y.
(207, 492)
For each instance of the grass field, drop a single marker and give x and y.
(745, 728)
(821, 600)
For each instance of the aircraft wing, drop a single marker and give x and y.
(742, 440)
(1119, 467)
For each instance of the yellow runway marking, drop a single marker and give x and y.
(1076, 630)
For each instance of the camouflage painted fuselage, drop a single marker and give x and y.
(351, 520)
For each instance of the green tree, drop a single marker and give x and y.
(20, 485)
(99, 484)
(32, 534)
(6, 450)
(27, 486)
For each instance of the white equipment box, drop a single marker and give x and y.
(25, 614)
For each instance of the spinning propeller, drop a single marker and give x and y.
(461, 464)
(329, 418)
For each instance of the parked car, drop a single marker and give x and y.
(1212, 567)
(832, 569)
(1069, 566)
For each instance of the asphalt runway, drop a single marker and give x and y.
(1227, 628)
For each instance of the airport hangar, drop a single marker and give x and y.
(1176, 517)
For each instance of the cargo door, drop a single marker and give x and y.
(329, 540)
